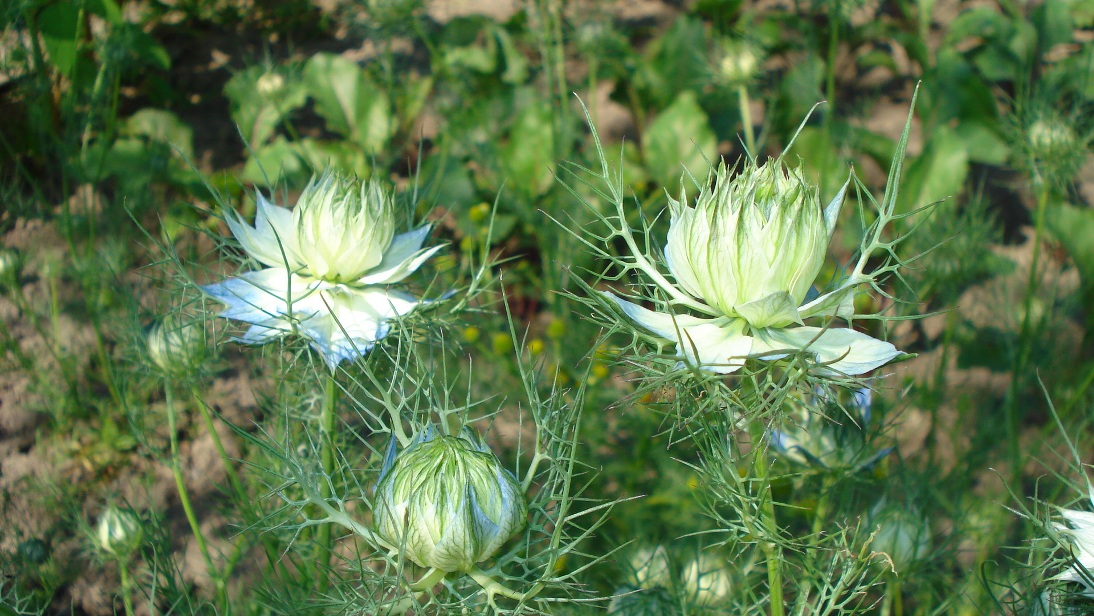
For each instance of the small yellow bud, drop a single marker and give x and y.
(536, 346)
(471, 334)
(556, 330)
(479, 213)
(501, 343)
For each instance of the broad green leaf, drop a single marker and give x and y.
(278, 162)
(1074, 228)
(938, 173)
(675, 62)
(679, 138)
(527, 157)
(983, 142)
(59, 25)
(260, 100)
(163, 126)
(352, 105)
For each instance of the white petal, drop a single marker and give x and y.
(831, 211)
(272, 241)
(709, 344)
(836, 303)
(775, 310)
(354, 321)
(843, 350)
(402, 257)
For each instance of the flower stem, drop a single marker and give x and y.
(229, 469)
(123, 571)
(746, 120)
(772, 551)
(327, 429)
(184, 499)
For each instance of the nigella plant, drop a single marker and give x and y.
(735, 281)
(825, 433)
(327, 267)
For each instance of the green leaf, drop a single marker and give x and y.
(527, 157)
(983, 142)
(676, 62)
(349, 101)
(677, 139)
(280, 161)
(163, 126)
(59, 25)
(936, 174)
(258, 111)
(1074, 228)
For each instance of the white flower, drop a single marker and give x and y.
(902, 533)
(324, 261)
(1079, 529)
(175, 348)
(447, 501)
(746, 255)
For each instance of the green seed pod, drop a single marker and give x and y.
(120, 532)
(447, 501)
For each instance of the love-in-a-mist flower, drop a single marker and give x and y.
(447, 502)
(745, 256)
(833, 439)
(175, 347)
(327, 263)
(1078, 529)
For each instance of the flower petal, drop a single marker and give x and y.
(262, 296)
(775, 310)
(272, 241)
(843, 351)
(708, 344)
(402, 257)
(354, 320)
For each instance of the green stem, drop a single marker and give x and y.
(229, 468)
(746, 120)
(772, 551)
(123, 571)
(327, 430)
(184, 499)
(1025, 342)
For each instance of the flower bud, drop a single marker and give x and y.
(1051, 138)
(903, 534)
(120, 531)
(650, 567)
(447, 501)
(706, 580)
(175, 349)
(738, 62)
(752, 245)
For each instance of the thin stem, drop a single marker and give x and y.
(229, 468)
(772, 551)
(1025, 341)
(746, 120)
(327, 429)
(123, 571)
(184, 498)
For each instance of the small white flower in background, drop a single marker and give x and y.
(746, 256)
(1078, 528)
(448, 501)
(706, 580)
(903, 533)
(326, 266)
(119, 532)
(175, 348)
(650, 568)
(833, 440)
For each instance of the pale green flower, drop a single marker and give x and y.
(119, 532)
(1078, 529)
(746, 255)
(327, 263)
(903, 533)
(834, 439)
(447, 501)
